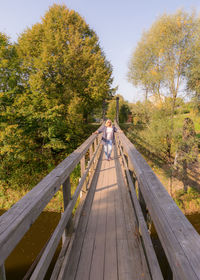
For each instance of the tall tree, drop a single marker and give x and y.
(193, 71)
(9, 75)
(161, 59)
(65, 75)
(67, 72)
(10, 89)
(163, 54)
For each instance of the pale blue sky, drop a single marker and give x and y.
(118, 23)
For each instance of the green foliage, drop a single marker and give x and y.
(159, 65)
(124, 109)
(163, 54)
(188, 201)
(52, 80)
(141, 112)
(193, 72)
(157, 129)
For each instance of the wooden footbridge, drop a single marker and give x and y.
(108, 238)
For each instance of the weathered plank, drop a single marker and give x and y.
(83, 268)
(47, 256)
(125, 268)
(66, 199)
(16, 222)
(152, 261)
(110, 269)
(178, 237)
(60, 259)
(69, 268)
(135, 250)
(103, 247)
(2, 272)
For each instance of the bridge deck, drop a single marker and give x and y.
(106, 244)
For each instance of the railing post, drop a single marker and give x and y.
(2, 272)
(91, 152)
(90, 155)
(82, 165)
(95, 144)
(117, 109)
(66, 200)
(131, 171)
(142, 203)
(82, 162)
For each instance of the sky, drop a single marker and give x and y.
(119, 24)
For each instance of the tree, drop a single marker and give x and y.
(64, 76)
(193, 72)
(187, 152)
(162, 58)
(163, 54)
(63, 63)
(10, 89)
(124, 109)
(62, 59)
(9, 76)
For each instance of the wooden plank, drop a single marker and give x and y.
(183, 259)
(152, 261)
(124, 262)
(138, 265)
(60, 259)
(179, 239)
(82, 165)
(83, 269)
(97, 263)
(47, 256)
(2, 272)
(66, 199)
(16, 222)
(124, 258)
(110, 270)
(91, 152)
(69, 268)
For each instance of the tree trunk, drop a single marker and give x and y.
(185, 176)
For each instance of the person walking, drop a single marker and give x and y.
(108, 137)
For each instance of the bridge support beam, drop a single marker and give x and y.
(2, 272)
(142, 203)
(66, 199)
(117, 109)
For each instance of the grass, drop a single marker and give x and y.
(179, 119)
(188, 202)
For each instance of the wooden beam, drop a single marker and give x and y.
(66, 200)
(17, 220)
(178, 237)
(48, 254)
(2, 272)
(152, 261)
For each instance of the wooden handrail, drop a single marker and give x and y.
(152, 261)
(18, 219)
(179, 239)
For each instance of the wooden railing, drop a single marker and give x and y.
(17, 221)
(178, 237)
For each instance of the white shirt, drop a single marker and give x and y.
(109, 132)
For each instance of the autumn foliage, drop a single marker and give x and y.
(51, 81)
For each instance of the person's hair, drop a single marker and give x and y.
(106, 124)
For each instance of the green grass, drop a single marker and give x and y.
(188, 202)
